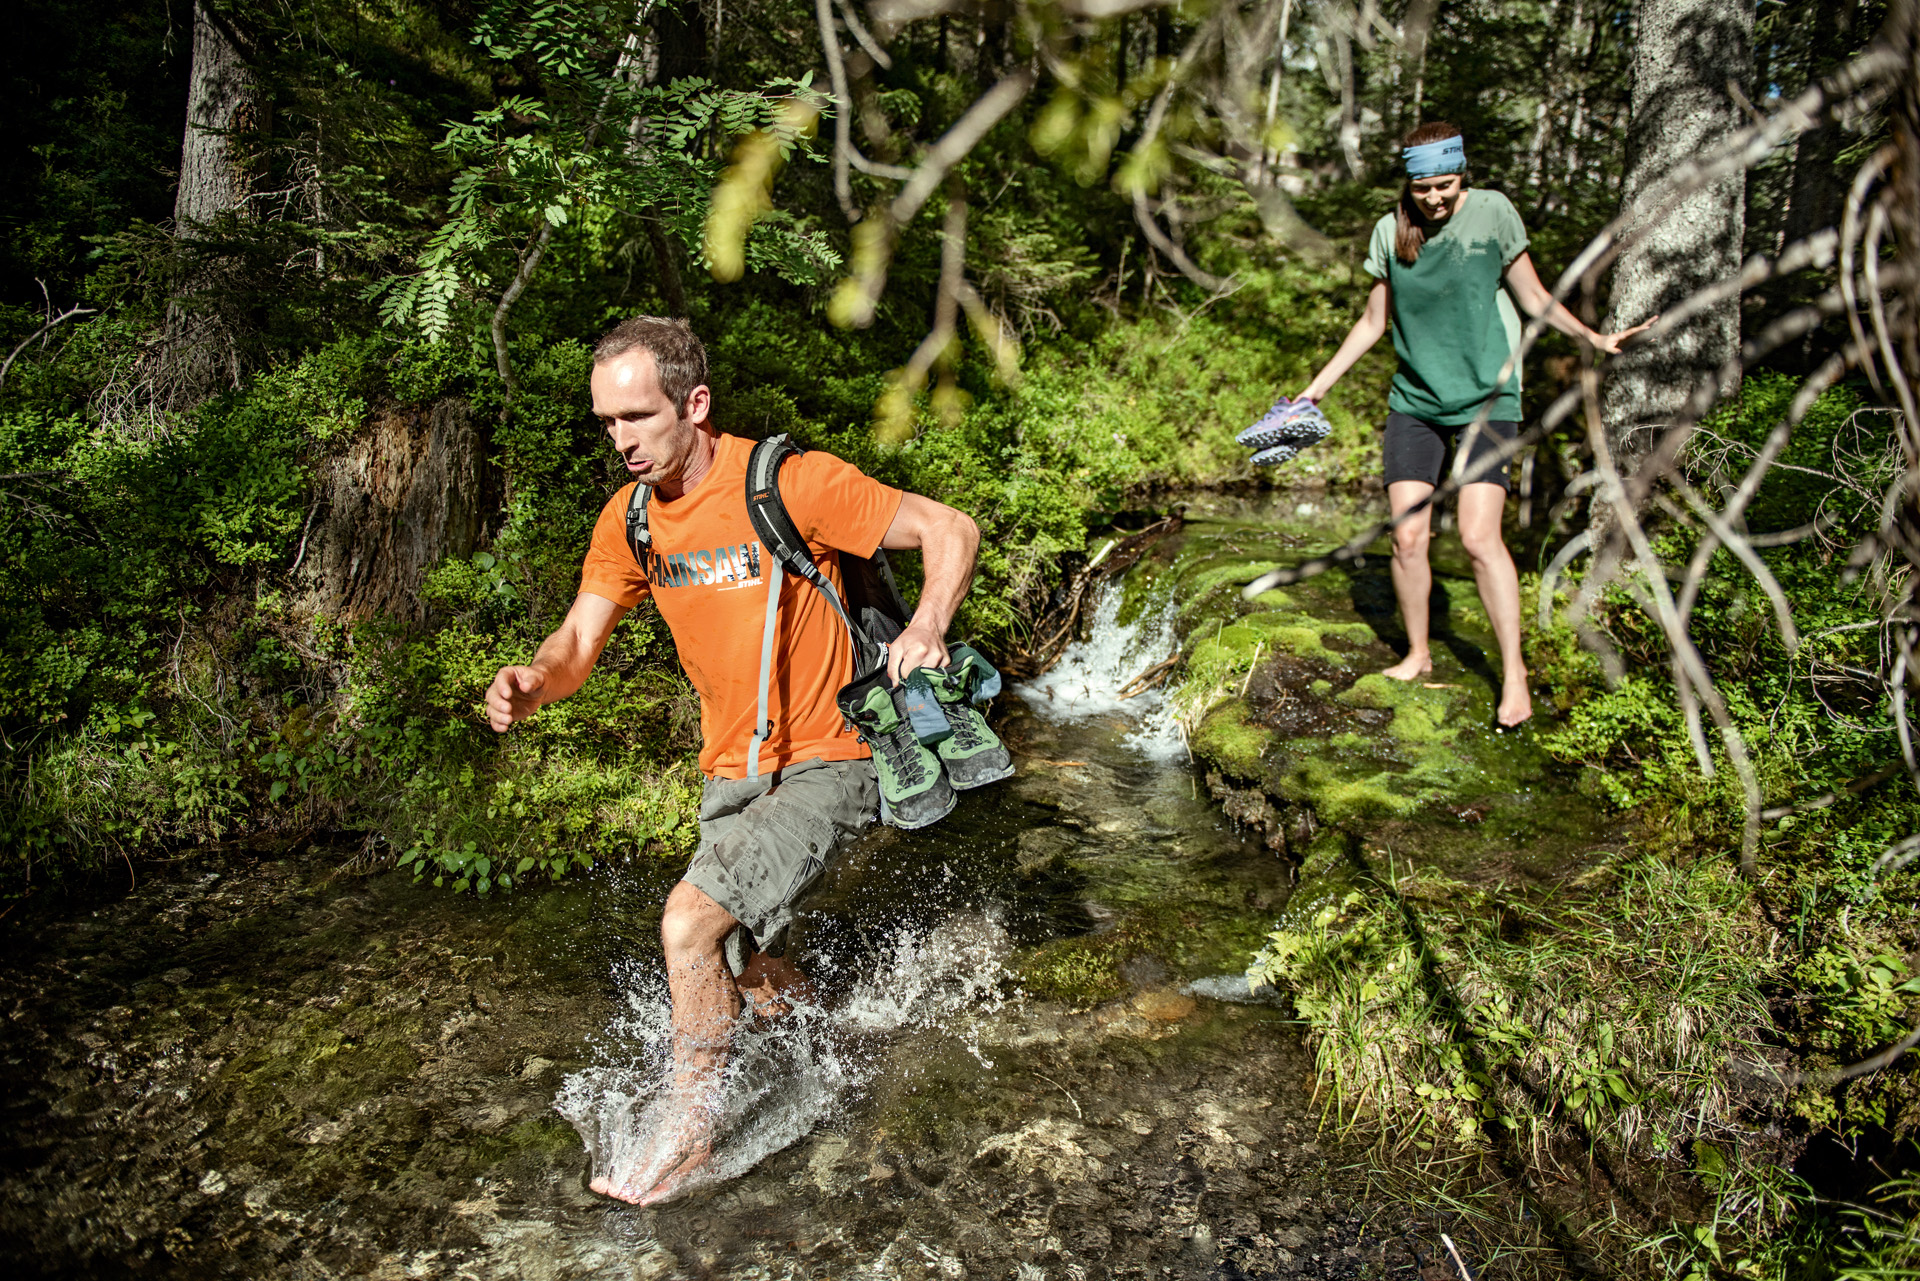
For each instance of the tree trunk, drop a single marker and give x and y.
(681, 37)
(226, 106)
(225, 103)
(412, 488)
(1686, 54)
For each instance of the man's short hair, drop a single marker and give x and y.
(680, 357)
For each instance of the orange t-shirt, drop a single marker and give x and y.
(705, 575)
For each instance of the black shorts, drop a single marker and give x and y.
(1417, 450)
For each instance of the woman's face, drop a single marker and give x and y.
(1436, 198)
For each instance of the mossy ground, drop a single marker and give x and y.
(1488, 962)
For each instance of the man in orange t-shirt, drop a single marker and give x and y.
(765, 835)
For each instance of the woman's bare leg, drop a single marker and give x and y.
(1481, 505)
(1412, 576)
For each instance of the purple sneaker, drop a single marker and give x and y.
(1274, 455)
(1290, 422)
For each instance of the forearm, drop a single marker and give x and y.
(564, 660)
(1366, 331)
(947, 554)
(1560, 318)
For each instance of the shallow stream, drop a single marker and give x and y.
(1034, 1056)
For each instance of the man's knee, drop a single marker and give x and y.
(1410, 541)
(692, 921)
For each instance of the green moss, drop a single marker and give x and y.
(1237, 573)
(1342, 790)
(1080, 971)
(542, 1137)
(1322, 687)
(1227, 739)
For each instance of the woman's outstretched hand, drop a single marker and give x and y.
(1610, 343)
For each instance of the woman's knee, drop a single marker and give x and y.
(1410, 541)
(692, 921)
(1483, 546)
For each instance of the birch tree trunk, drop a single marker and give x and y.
(1686, 54)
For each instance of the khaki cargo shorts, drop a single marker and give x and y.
(764, 842)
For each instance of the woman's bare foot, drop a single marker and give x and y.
(1516, 702)
(1410, 668)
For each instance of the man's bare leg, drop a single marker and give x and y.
(1412, 576)
(771, 984)
(1481, 505)
(706, 1004)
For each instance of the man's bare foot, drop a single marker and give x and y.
(770, 984)
(675, 1180)
(677, 1149)
(1516, 703)
(1410, 668)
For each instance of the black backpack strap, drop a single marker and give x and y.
(639, 537)
(780, 536)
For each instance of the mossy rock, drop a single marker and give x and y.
(1343, 787)
(1228, 739)
(1422, 716)
(1325, 876)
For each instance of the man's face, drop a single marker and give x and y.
(661, 441)
(1437, 197)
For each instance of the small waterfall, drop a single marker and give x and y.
(1092, 674)
(786, 1075)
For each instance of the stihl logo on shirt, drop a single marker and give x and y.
(725, 567)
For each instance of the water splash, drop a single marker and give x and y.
(787, 1075)
(1092, 674)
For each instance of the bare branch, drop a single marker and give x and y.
(861, 34)
(66, 315)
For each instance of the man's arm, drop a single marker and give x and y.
(561, 665)
(948, 541)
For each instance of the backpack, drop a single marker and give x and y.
(872, 608)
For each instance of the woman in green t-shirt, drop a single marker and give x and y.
(1439, 262)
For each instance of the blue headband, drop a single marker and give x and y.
(1449, 155)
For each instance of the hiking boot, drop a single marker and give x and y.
(923, 709)
(973, 753)
(913, 790)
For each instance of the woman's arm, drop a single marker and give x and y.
(1365, 333)
(1534, 299)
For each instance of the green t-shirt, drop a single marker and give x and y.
(1453, 323)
